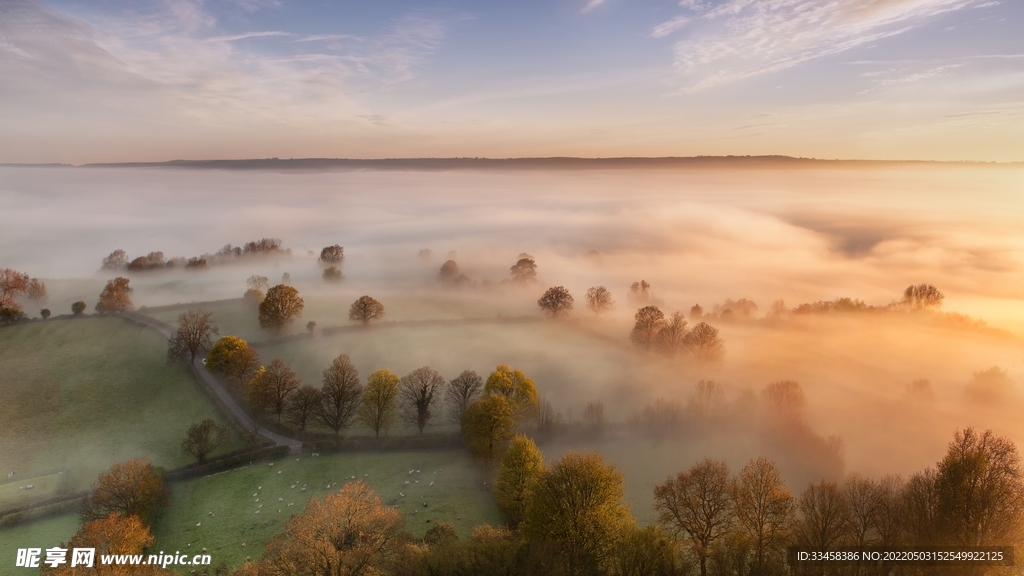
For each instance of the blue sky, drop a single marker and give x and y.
(893, 79)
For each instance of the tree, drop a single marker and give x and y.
(599, 300)
(115, 534)
(704, 344)
(45, 313)
(257, 396)
(707, 398)
(254, 297)
(219, 356)
(647, 551)
(556, 302)
(281, 307)
(377, 409)
(332, 256)
(37, 290)
(364, 309)
(521, 467)
(649, 321)
(785, 397)
(115, 296)
(487, 424)
(593, 416)
(517, 387)
(418, 391)
(863, 499)
(310, 327)
(696, 312)
(350, 533)
(524, 270)
(257, 282)
(303, 406)
(333, 274)
(696, 504)
(281, 383)
(78, 307)
(441, 534)
(203, 438)
(639, 292)
(671, 337)
(449, 271)
(824, 516)
(192, 336)
(340, 395)
(117, 260)
(12, 285)
(922, 297)
(764, 509)
(196, 263)
(578, 504)
(132, 488)
(979, 490)
(461, 391)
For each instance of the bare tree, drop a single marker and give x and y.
(593, 416)
(340, 394)
(419, 390)
(599, 300)
(203, 438)
(824, 516)
(461, 392)
(332, 256)
(764, 509)
(649, 321)
(556, 302)
(671, 337)
(707, 399)
(256, 282)
(37, 290)
(785, 397)
(922, 297)
(303, 406)
(242, 363)
(364, 309)
(192, 337)
(117, 260)
(281, 383)
(639, 292)
(863, 498)
(704, 344)
(696, 504)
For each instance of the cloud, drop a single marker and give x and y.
(247, 35)
(592, 4)
(741, 38)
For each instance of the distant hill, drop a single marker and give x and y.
(555, 163)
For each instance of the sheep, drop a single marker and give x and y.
(402, 494)
(431, 483)
(198, 524)
(278, 471)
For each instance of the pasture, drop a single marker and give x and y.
(234, 513)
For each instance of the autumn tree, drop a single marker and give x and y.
(12, 285)
(922, 297)
(704, 344)
(517, 387)
(333, 256)
(521, 467)
(671, 337)
(203, 438)
(979, 490)
(524, 270)
(578, 504)
(350, 533)
(234, 358)
(418, 392)
(257, 396)
(556, 302)
(340, 395)
(696, 504)
(461, 391)
(132, 488)
(115, 534)
(487, 424)
(281, 307)
(115, 296)
(649, 321)
(116, 260)
(303, 405)
(364, 309)
(377, 408)
(599, 300)
(280, 383)
(77, 308)
(647, 551)
(764, 510)
(37, 290)
(192, 336)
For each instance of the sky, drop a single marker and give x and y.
(111, 80)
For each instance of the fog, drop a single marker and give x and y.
(698, 236)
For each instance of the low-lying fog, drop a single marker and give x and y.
(696, 235)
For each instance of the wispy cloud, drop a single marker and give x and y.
(736, 39)
(592, 4)
(247, 35)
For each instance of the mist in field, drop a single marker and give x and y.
(698, 236)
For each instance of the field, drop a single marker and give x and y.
(250, 505)
(39, 534)
(83, 393)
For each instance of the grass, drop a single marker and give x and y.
(44, 534)
(84, 393)
(456, 496)
(17, 491)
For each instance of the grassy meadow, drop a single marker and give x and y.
(250, 505)
(86, 392)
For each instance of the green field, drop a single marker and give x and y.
(456, 496)
(45, 533)
(84, 393)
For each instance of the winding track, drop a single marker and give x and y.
(216, 387)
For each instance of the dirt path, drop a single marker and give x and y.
(215, 385)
